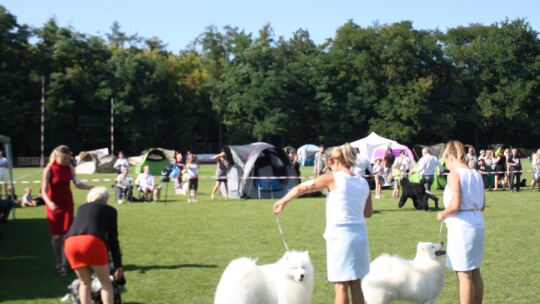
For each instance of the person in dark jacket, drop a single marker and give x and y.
(93, 234)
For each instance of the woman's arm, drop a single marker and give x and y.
(453, 183)
(77, 183)
(114, 244)
(318, 184)
(45, 180)
(368, 209)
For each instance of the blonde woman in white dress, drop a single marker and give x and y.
(464, 202)
(348, 203)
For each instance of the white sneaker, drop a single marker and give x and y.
(189, 200)
(120, 202)
(377, 197)
(194, 200)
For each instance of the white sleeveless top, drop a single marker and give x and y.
(345, 204)
(472, 199)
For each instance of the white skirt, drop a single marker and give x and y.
(465, 248)
(347, 252)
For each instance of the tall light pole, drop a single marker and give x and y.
(42, 158)
(112, 126)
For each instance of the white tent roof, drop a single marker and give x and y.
(367, 144)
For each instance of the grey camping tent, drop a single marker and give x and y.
(248, 162)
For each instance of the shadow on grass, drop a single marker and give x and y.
(143, 269)
(27, 262)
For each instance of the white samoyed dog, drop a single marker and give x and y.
(393, 278)
(288, 281)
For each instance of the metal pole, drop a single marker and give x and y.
(112, 126)
(42, 158)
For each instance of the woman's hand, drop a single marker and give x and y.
(278, 207)
(440, 216)
(52, 206)
(118, 273)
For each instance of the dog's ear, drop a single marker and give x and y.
(306, 253)
(286, 255)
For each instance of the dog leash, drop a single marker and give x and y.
(440, 232)
(282, 234)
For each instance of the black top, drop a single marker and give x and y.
(99, 220)
(389, 159)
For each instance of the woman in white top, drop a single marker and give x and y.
(464, 202)
(348, 203)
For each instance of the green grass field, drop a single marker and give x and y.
(175, 252)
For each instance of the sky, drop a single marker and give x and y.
(177, 23)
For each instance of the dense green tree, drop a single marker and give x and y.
(20, 95)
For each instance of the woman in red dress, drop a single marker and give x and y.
(56, 193)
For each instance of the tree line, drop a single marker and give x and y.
(476, 83)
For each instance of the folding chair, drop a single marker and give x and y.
(268, 185)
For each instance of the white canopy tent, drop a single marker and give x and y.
(306, 154)
(367, 144)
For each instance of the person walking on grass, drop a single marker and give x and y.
(348, 203)
(192, 166)
(464, 202)
(56, 193)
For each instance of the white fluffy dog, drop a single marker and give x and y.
(393, 278)
(288, 281)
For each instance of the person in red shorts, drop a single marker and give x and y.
(56, 193)
(93, 234)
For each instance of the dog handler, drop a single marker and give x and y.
(348, 203)
(88, 242)
(464, 202)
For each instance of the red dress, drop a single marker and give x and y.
(59, 192)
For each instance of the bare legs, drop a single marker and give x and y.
(216, 187)
(471, 286)
(342, 292)
(57, 242)
(85, 288)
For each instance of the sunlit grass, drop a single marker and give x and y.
(175, 252)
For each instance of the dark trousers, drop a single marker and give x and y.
(517, 175)
(429, 181)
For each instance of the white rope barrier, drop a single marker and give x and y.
(99, 180)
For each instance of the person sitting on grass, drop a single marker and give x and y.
(146, 183)
(28, 199)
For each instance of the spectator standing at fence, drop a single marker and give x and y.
(192, 165)
(536, 169)
(56, 193)
(294, 161)
(514, 168)
(377, 175)
(388, 163)
(319, 165)
(471, 160)
(3, 172)
(500, 169)
(221, 173)
(121, 163)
